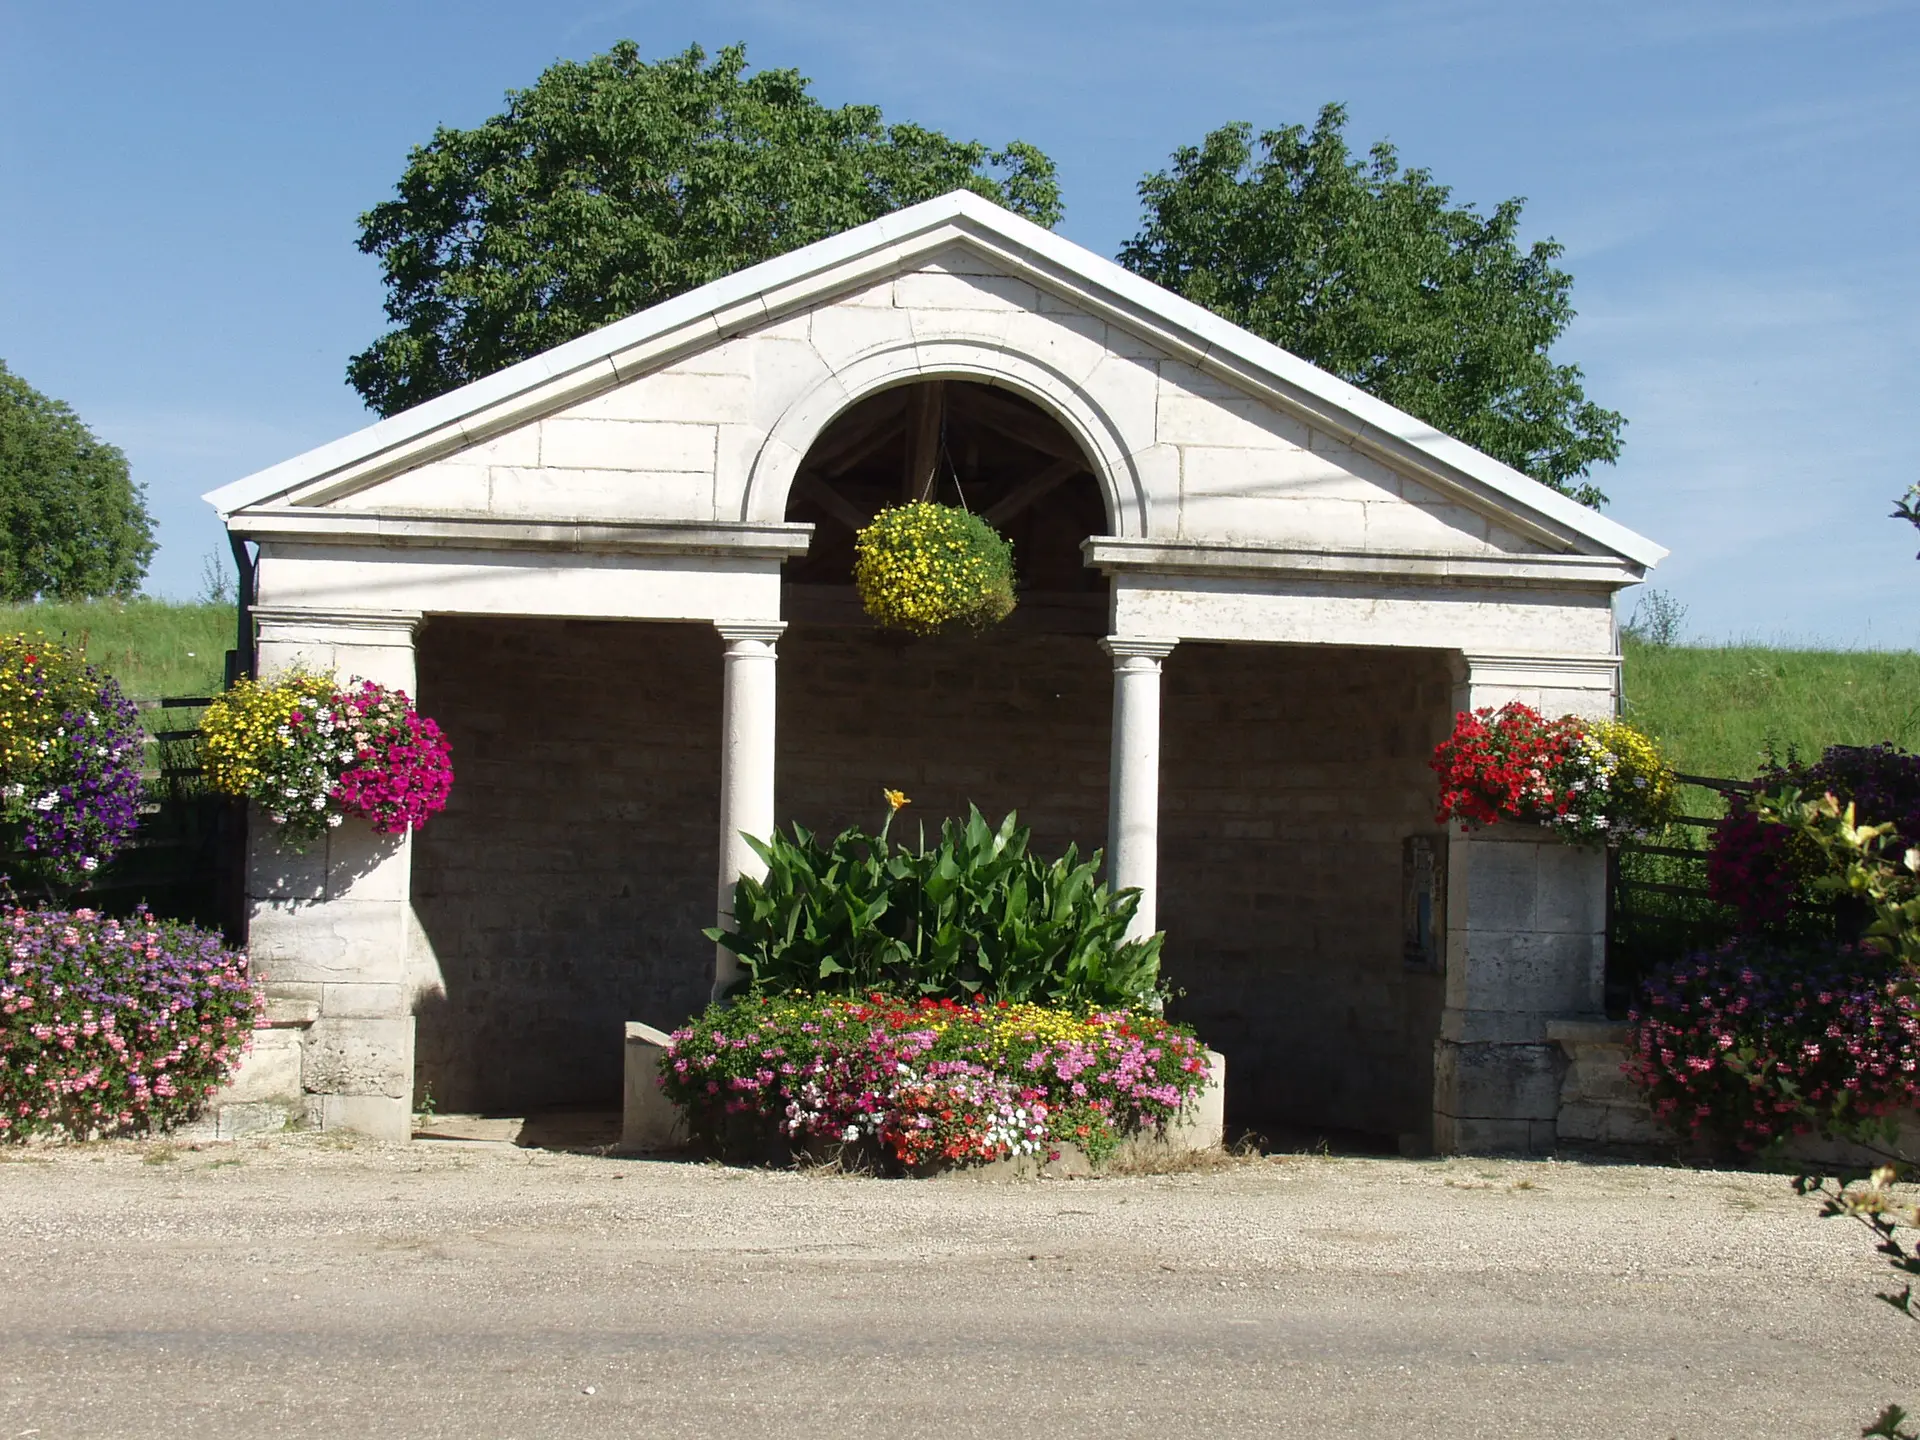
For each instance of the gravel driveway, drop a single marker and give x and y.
(309, 1286)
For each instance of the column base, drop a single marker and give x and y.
(1496, 1098)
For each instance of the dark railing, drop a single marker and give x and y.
(1658, 906)
(186, 860)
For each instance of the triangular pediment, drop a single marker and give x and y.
(672, 413)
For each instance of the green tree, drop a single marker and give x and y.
(1369, 271)
(616, 184)
(75, 525)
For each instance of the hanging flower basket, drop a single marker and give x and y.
(930, 568)
(1585, 780)
(314, 753)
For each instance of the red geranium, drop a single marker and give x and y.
(1505, 764)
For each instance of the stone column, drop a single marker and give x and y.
(328, 926)
(1133, 801)
(746, 766)
(1526, 935)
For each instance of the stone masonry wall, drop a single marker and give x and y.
(1290, 777)
(563, 891)
(1009, 721)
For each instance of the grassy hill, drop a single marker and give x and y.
(1717, 709)
(152, 647)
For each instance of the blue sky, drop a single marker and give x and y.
(1735, 184)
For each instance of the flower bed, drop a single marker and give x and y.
(70, 746)
(313, 754)
(1751, 1046)
(1585, 780)
(932, 1083)
(112, 1027)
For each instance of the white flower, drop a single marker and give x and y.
(47, 801)
(14, 792)
(333, 820)
(87, 862)
(852, 1133)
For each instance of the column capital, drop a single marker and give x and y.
(1138, 647)
(1554, 671)
(363, 627)
(735, 632)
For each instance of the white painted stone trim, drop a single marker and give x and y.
(1126, 555)
(755, 539)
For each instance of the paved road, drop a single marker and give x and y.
(298, 1287)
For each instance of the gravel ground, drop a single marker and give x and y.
(310, 1286)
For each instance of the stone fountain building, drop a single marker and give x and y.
(1252, 598)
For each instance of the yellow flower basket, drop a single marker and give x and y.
(930, 568)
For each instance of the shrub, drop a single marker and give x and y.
(111, 1027)
(1768, 872)
(973, 915)
(70, 748)
(1584, 779)
(1750, 1044)
(933, 1079)
(312, 754)
(926, 568)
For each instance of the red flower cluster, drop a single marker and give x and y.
(1504, 764)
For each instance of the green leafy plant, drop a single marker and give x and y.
(611, 185)
(1370, 271)
(973, 915)
(76, 525)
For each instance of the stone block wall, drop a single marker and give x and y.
(1008, 721)
(1290, 778)
(563, 891)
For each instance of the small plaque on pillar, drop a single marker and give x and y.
(1423, 904)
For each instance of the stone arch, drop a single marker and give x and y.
(1064, 399)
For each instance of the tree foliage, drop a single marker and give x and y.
(615, 184)
(75, 525)
(1369, 271)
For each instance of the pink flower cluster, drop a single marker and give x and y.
(112, 1027)
(1752, 1046)
(402, 770)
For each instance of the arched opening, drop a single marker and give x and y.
(961, 443)
(1016, 718)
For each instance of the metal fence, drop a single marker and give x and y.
(1658, 905)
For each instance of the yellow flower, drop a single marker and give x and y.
(895, 799)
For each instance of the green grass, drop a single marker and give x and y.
(152, 647)
(1717, 709)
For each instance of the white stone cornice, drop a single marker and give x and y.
(758, 540)
(1119, 555)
